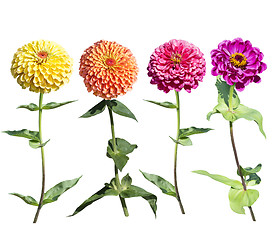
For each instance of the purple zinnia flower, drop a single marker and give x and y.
(176, 64)
(238, 62)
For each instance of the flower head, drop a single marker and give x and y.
(238, 62)
(41, 66)
(108, 69)
(176, 64)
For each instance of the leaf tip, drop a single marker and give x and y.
(143, 173)
(208, 116)
(79, 178)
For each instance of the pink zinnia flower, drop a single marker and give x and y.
(238, 62)
(176, 64)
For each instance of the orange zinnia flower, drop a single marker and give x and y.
(108, 69)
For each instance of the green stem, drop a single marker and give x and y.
(231, 90)
(238, 166)
(123, 202)
(236, 155)
(235, 150)
(43, 160)
(175, 153)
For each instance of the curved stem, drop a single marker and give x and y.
(238, 166)
(234, 148)
(123, 202)
(236, 155)
(175, 153)
(43, 160)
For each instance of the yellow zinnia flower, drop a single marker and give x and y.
(41, 66)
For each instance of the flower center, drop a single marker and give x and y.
(110, 62)
(42, 54)
(176, 58)
(238, 60)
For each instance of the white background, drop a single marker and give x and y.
(78, 146)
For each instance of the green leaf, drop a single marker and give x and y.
(230, 182)
(123, 148)
(249, 114)
(185, 132)
(27, 199)
(31, 107)
(183, 138)
(112, 184)
(238, 110)
(235, 200)
(53, 105)
(122, 145)
(239, 199)
(98, 108)
(36, 144)
(105, 191)
(223, 93)
(33, 135)
(253, 179)
(185, 141)
(119, 159)
(120, 109)
(248, 171)
(252, 183)
(163, 104)
(134, 191)
(55, 192)
(126, 182)
(223, 109)
(165, 186)
(223, 98)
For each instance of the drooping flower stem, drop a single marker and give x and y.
(43, 160)
(175, 153)
(235, 151)
(117, 180)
